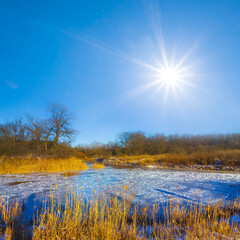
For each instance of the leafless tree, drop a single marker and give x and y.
(47, 133)
(17, 131)
(5, 132)
(34, 127)
(61, 122)
(132, 142)
(11, 132)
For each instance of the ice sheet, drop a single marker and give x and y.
(148, 184)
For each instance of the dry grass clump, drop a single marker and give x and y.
(21, 165)
(97, 166)
(10, 214)
(140, 159)
(210, 221)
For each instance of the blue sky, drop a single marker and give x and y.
(97, 58)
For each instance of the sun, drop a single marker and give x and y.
(169, 75)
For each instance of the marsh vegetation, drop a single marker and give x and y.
(116, 215)
(97, 166)
(216, 151)
(40, 165)
(51, 137)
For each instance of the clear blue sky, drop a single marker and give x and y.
(94, 57)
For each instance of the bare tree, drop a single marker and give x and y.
(132, 142)
(11, 132)
(17, 131)
(34, 127)
(61, 123)
(47, 132)
(137, 143)
(5, 132)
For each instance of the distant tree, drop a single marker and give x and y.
(12, 132)
(156, 144)
(18, 131)
(60, 121)
(5, 133)
(132, 142)
(137, 143)
(123, 139)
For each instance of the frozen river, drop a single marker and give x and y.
(148, 184)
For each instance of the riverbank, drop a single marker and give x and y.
(164, 161)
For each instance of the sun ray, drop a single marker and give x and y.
(166, 75)
(111, 50)
(157, 30)
(143, 88)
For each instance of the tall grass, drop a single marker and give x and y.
(229, 159)
(97, 166)
(10, 214)
(115, 215)
(118, 217)
(25, 165)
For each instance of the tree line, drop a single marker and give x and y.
(53, 135)
(139, 143)
(33, 134)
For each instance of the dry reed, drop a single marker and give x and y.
(116, 215)
(21, 166)
(97, 166)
